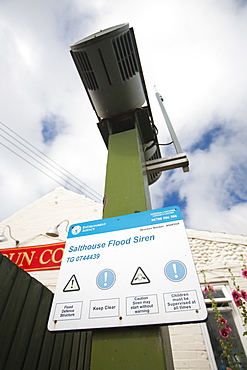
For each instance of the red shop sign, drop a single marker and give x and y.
(38, 257)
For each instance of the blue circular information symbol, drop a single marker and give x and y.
(106, 279)
(175, 270)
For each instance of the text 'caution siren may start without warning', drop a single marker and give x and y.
(127, 271)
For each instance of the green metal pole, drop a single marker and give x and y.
(126, 191)
(126, 185)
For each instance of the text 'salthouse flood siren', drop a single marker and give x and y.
(109, 66)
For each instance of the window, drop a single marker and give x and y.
(211, 331)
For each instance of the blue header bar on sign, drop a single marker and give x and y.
(156, 216)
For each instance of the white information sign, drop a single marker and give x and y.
(126, 271)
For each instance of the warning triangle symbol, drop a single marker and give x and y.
(72, 285)
(140, 277)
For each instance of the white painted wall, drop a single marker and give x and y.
(30, 224)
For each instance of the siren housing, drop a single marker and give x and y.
(109, 66)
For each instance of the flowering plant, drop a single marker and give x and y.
(240, 296)
(229, 351)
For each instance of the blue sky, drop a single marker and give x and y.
(207, 138)
(231, 187)
(52, 126)
(198, 66)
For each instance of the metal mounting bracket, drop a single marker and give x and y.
(168, 163)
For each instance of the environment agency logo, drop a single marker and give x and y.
(76, 230)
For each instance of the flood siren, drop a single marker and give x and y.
(109, 66)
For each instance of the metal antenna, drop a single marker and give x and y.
(168, 123)
(168, 163)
